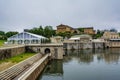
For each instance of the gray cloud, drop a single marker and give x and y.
(20, 14)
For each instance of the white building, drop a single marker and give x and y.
(81, 38)
(56, 39)
(26, 38)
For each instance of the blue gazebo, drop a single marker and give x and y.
(26, 38)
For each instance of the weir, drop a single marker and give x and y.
(34, 70)
(26, 70)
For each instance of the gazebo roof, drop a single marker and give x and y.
(38, 36)
(26, 35)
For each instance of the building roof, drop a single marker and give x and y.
(57, 37)
(76, 37)
(85, 28)
(98, 40)
(65, 26)
(38, 36)
(83, 35)
(111, 32)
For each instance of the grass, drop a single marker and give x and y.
(18, 58)
(2, 42)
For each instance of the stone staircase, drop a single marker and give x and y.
(14, 71)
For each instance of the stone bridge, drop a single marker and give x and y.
(54, 50)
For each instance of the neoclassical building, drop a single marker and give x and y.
(89, 30)
(26, 38)
(65, 28)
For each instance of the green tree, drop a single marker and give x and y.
(41, 30)
(10, 33)
(113, 30)
(2, 35)
(65, 34)
(61, 34)
(38, 31)
(48, 31)
(98, 35)
(81, 30)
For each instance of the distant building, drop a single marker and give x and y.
(56, 39)
(65, 28)
(89, 30)
(110, 35)
(98, 43)
(25, 38)
(78, 42)
(84, 42)
(81, 38)
(114, 43)
(112, 39)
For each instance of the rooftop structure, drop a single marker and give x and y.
(81, 38)
(56, 39)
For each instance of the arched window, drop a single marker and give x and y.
(26, 41)
(47, 50)
(20, 41)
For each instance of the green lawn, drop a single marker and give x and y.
(18, 58)
(2, 42)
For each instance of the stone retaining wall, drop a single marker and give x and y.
(14, 71)
(84, 45)
(8, 52)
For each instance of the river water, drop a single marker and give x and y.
(85, 65)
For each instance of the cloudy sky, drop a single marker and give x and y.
(16, 15)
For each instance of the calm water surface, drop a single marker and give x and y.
(85, 65)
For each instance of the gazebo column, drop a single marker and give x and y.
(23, 41)
(40, 41)
(15, 41)
(30, 41)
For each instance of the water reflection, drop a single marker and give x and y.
(78, 65)
(87, 56)
(53, 71)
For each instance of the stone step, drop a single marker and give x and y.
(14, 71)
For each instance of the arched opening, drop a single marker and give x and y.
(107, 46)
(47, 50)
(26, 41)
(20, 41)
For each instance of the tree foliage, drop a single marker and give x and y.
(10, 33)
(81, 30)
(65, 34)
(113, 30)
(4, 36)
(98, 34)
(47, 31)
